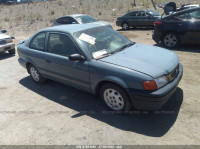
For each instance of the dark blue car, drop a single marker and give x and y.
(101, 61)
(138, 18)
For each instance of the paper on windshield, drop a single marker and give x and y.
(87, 38)
(99, 53)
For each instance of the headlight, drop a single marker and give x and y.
(9, 40)
(155, 84)
(162, 81)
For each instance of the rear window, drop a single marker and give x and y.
(190, 15)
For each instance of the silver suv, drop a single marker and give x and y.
(6, 43)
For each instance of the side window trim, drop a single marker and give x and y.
(77, 47)
(44, 42)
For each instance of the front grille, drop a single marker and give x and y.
(173, 74)
(2, 42)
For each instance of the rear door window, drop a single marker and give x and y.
(64, 20)
(38, 42)
(194, 15)
(132, 14)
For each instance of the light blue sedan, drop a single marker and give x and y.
(101, 61)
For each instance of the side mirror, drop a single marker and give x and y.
(76, 57)
(3, 31)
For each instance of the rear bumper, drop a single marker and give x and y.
(156, 38)
(155, 100)
(119, 23)
(7, 47)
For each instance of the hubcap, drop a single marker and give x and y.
(125, 26)
(113, 99)
(170, 40)
(34, 74)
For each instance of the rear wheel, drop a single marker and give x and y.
(125, 26)
(170, 40)
(115, 98)
(11, 52)
(35, 75)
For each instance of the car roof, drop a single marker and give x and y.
(141, 10)
(71, 28)
(76, 15)
(72, 15)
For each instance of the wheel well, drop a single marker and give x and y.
(100, 84)
(125, 22)
(27, 66)
(170, 32)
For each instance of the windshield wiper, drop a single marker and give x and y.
(121, 49)
(124, 47)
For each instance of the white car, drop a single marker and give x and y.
(6, 43)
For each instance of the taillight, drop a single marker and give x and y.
(157, 23)
(117, 18)
(150, 85)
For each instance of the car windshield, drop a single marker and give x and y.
(85, 19)
(102, 41)
(153, 12)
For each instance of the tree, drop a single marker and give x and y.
(154, 5)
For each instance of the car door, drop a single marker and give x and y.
(37, 52)
(131, 18)
(189, 26)
(142, 18)
(60, 68)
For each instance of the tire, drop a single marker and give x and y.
(35, 75)
(125, 26)
(171, 40)
(115, 98)
(11, 52)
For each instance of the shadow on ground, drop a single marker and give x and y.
(155, 124)
(194, 48)
(5, 55)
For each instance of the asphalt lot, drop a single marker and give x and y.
(54, 113)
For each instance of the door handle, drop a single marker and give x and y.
(48, 61)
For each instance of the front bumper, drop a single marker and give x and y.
(155, 100)
(22, 62)
(7, 47)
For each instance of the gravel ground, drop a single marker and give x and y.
(57, 114)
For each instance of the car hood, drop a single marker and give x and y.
(150, 60)
(3, 36)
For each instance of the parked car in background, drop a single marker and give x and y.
(78, 19)
(99, 60)
(182, 27)
(6, 43)
(187, 6)
(138, 18)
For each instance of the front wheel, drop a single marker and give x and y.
(115, 97)
(35, 75)
(170, 40)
